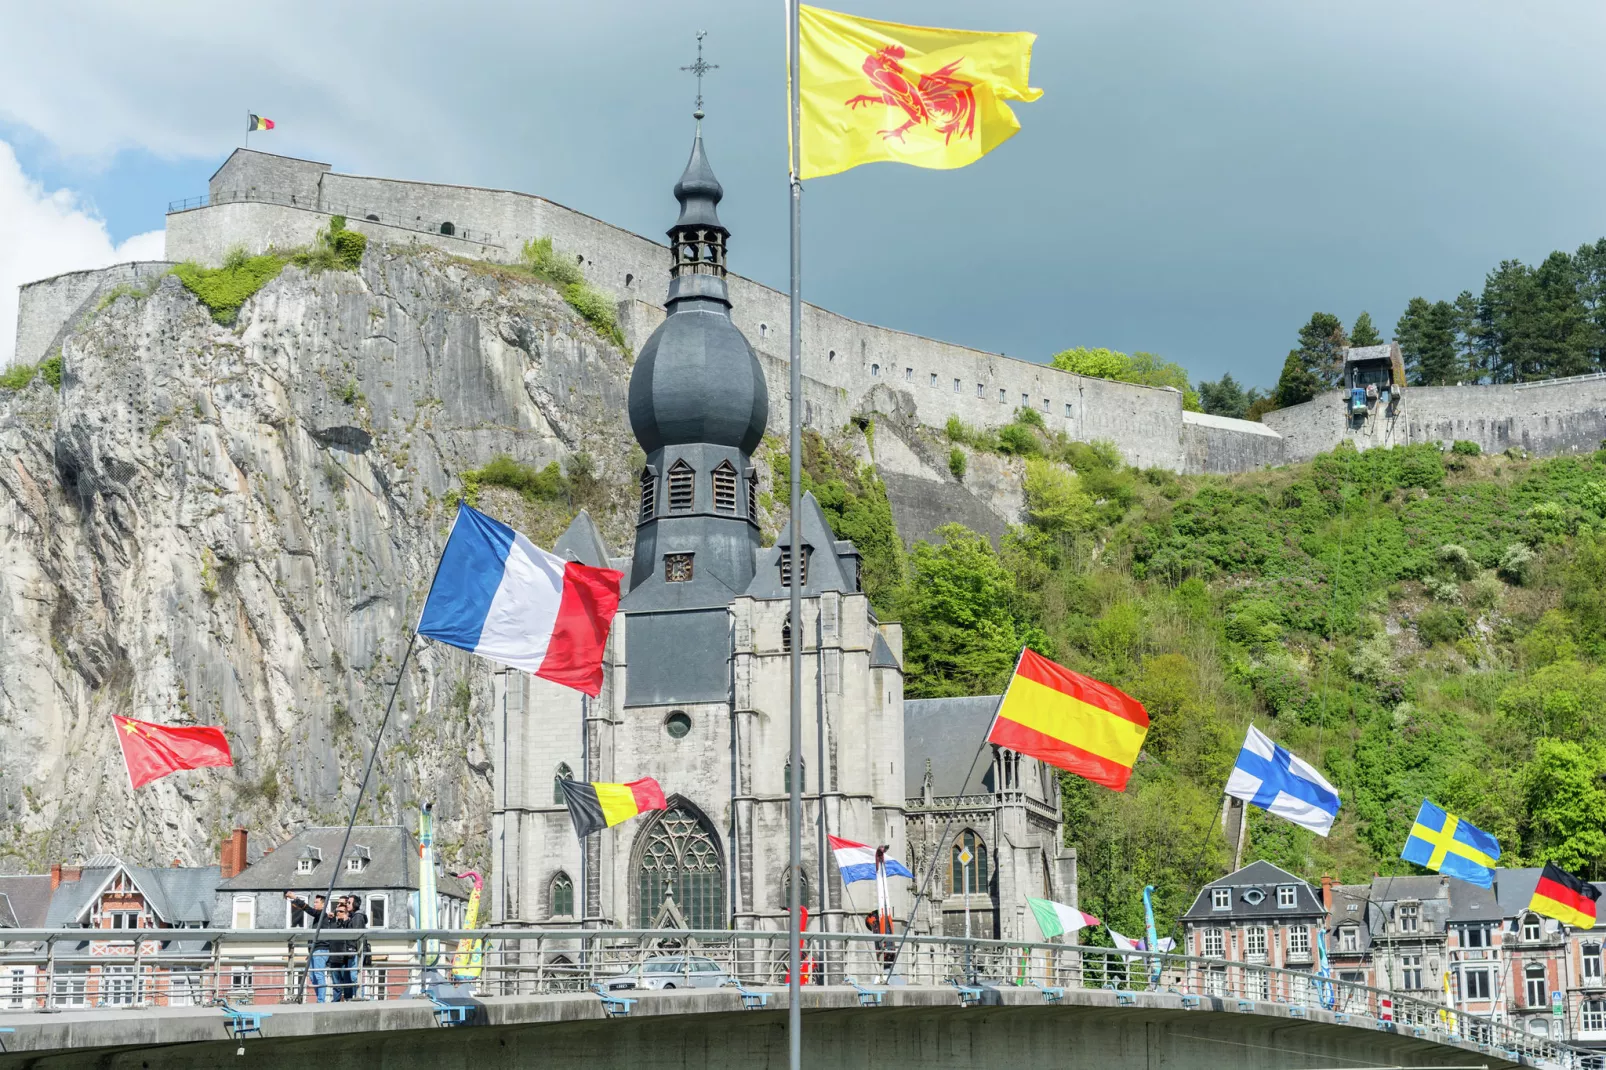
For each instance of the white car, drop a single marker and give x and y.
(671, 971)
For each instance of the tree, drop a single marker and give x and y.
(1297, 382)
(1321, 347)
(1505, 323)
(1145, 369)
(1363, 333)
(1590, 264)
(1567, 807)
(1427, 337)
(1226, 397)
(1561, 322)
(1468, 352)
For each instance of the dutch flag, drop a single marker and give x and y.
(857, 861)
(500, 596)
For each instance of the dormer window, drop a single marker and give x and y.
(1254, 897)
(1530, 927)
(1287, 896)
(680, 487)
(1221, 899)
(310, 857)
(649, 494)
(725, 488)
(1406, 916)
(786, 566)
(358, 861)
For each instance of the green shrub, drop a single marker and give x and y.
(1517, 564)
(349, 246)
(50, 370)
(1440, 624)
(1019, 439)
(1458, 561)
(18, 376)
(1465, 448)
(539, 258)
(597, 308)
(1422, 467)
(350, 394)
(956, 430)
(1029, 416)
(535, 484)
(223, 290)
(957, 462)
(1442, 590)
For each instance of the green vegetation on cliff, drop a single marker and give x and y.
(597, 308)
(20, 375)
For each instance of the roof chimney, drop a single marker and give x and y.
(231, 859)
(1327, 892)
(55, 875)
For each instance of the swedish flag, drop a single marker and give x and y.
(1446, 844)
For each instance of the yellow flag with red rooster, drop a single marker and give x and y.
(873, 91)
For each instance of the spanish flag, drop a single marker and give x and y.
(1562, 896)
(594, 807)
(1072, 721)
(873, 91)
(253, 123)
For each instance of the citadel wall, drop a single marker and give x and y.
(47, 310)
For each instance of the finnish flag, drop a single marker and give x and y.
(1271, 778)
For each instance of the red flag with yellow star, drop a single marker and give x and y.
(151, 751)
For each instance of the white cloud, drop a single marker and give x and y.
(44, 233)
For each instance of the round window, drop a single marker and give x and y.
(677, 724)
(1254, 897)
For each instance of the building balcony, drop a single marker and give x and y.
(1297, 958)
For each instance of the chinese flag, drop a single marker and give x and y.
(151, 751)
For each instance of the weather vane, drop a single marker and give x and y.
(699, 69)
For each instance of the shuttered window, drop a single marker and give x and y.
(649, 494)
(680, 487)
(725, 488)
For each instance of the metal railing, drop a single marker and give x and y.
(318, 204)
(60, 969)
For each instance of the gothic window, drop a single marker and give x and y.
(725, 488)
(563, 773)
(786, 890)
(680, 859)
(752, 495)
(786, 566)
(972, 873)
(786, 636)
(561, 896)
(649, 494)
(677, 568)
(680, 487)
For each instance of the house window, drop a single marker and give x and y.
(1530, 927)
(956, 386)
(354, 864)
(1593, 1018)
(245, 912)
(67, 990)
(933, 378)
(875, 371)
(124, 919)
(559, 796)
(1003, 396)
(680, 487)
(786, 566)
(1349, 938)
(1221, 899)
(971, 874)
(1287, 896)
(1067, 410)
(1411, 971)
(980, 389)
(304, 865)
(1533, 980)
(1255, 943)
(1045, 404)
(649, 494)
(1590, 960)
(562, 896)
(240, 979)
(677, 568)
(1026, 400)
(16, 988)
(1406, 917)
(1213, 944)
(378, 908)
(1475, 984)
(908, 375)
(1299, 940)
(724, 488)
(1475, 936)
(119, 985)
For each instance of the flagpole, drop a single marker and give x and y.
(794, 998)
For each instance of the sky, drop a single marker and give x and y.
(1195, 181)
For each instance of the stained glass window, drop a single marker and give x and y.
(681, 859)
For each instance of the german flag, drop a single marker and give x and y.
(253, 123)
(1562, 896)
(1072, 721)
(594, 807)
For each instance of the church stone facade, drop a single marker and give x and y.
(696, 692)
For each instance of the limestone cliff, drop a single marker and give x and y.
(237, 525)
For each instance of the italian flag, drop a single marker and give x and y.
(1057, 918)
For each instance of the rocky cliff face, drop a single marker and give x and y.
(236, 526)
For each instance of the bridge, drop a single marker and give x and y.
(674, 1000)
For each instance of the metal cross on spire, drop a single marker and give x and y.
(699, 69)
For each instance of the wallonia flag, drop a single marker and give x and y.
(594, 807)
(151, 751)
(871, 91)
(254, 123)
(1562, 896)
(1073, 721)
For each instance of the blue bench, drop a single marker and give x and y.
(1190, 1002)
(448, 1014)
(1051, 993)
(868, 997)
(241, 1023)
(1123, 998)
(1341, 1017)
(1296, 1010)
(1246, 1005)
(613, 1006)
(969, 995)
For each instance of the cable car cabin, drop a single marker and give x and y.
(1373, 376)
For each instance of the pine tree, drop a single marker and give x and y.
(1590, 264)
(1322, 342)
(1226, 397)
(1561, 322)
(1505, 323)
(1427, 337)
(1297, 382)
(1364, 333)
(1467, 335)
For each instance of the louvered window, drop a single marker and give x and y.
(725, 488)
(752, 496)
(680, 487)
(786, 636)
(786, 566)
(649, 494)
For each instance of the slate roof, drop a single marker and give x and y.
(825, 572)
(1344, 896)
(881, 657)
(581, 542)
(946, 731)
(1264, 878)
(175, 894)
(25, 898)
(1514, 888)
(393, 863)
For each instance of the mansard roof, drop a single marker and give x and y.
(1254, 896)
(392, 863)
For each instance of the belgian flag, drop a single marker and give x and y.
(594, 807)
(253, 123)
(1562, 896)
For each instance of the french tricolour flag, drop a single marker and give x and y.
(857, 861)
(502, 597)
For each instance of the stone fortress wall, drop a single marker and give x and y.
(48, 310)
(257, 200)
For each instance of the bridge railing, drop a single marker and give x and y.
(60, 969)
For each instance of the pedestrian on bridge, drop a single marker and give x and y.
(318, 965)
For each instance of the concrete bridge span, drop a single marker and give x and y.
(925, 1027)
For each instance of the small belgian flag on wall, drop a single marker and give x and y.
(1562, 896)
(594, 807)
(253, 123)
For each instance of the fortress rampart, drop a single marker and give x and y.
(257, 200)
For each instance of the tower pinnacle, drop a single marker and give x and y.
(700, 68)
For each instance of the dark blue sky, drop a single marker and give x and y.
(1196, 180)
